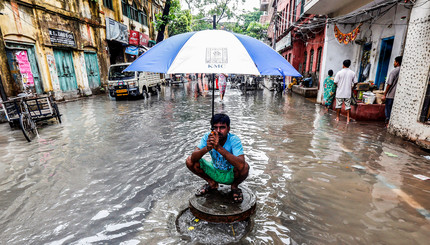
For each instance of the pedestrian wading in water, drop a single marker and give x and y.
(329, 90)
(228, 164)
(345, 81)
(222, 83)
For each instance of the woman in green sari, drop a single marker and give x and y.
(329, 89)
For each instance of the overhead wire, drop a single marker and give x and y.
(382, 9)
(321, 22)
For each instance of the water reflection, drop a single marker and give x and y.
(114, 172)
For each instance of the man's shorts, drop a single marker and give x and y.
(347, 102)
(220, 176)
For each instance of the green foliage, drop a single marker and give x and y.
(181, 24)
(248, 24)
(257, 30)
(178, 21)
(200, 22)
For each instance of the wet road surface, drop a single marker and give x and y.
(114, 173)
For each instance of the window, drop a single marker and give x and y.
(108, 4)
(292, 11)
(304, 61)
(425, 112)
(125, 7)
(302, 8)
(133, 12)
(311, 60)
(143, 17)
(289, 58)
(319, 52)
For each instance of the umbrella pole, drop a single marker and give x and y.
(213, 94)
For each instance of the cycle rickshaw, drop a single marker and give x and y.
(25, 112)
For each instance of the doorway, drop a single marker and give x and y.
(92, 65)
(365, 63)
(384, 60)
(24, 67)
(65, 70)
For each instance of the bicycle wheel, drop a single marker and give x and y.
(28, 126)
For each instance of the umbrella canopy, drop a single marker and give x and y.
(213, 51)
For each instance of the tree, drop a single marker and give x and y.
(223, 9)
(249, 24)
(200, 22)
(177, 20)
(181, 23)
(257, 30)
(161, 24)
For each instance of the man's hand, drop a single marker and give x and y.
(213, 141)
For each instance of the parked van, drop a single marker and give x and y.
(131, 83)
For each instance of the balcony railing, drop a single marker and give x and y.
(264, 5)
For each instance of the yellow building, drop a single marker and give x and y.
(66, 47)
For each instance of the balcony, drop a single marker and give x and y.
(264, 19)
(334, 8)
(264, 5)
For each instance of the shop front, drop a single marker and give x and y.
(138, 44)
(117, 39)
(372, 50)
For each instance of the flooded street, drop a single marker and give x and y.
(114, 173)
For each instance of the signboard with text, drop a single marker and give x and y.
(143, 39)
(134, 38)
(116, 31)
(285, 42)
(63, 38)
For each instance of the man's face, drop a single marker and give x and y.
(222, 129)
(396, 64)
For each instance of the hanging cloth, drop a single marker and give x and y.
(348, 37)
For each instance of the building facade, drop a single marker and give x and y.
(66, 47)
(297, 36)
(370, 34)
(411, 113)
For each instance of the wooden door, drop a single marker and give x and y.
(92, 65)
(65, 70)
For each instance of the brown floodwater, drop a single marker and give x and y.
(114, 173)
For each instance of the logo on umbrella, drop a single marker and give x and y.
(216, 56)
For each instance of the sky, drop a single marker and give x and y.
(248, 5)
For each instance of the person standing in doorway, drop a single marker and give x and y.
(222, 83)
(345, 81)
(390, 91)
(329, 89)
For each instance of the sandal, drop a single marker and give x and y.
(237, 195)
(205, 189)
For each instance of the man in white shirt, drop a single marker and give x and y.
(345, 80)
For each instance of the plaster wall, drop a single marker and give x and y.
(413, 77)
(388, 25)
(30, 24)
(334, 53)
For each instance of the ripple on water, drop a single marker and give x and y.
(113, 172)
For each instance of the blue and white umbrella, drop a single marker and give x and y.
(213, 51)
